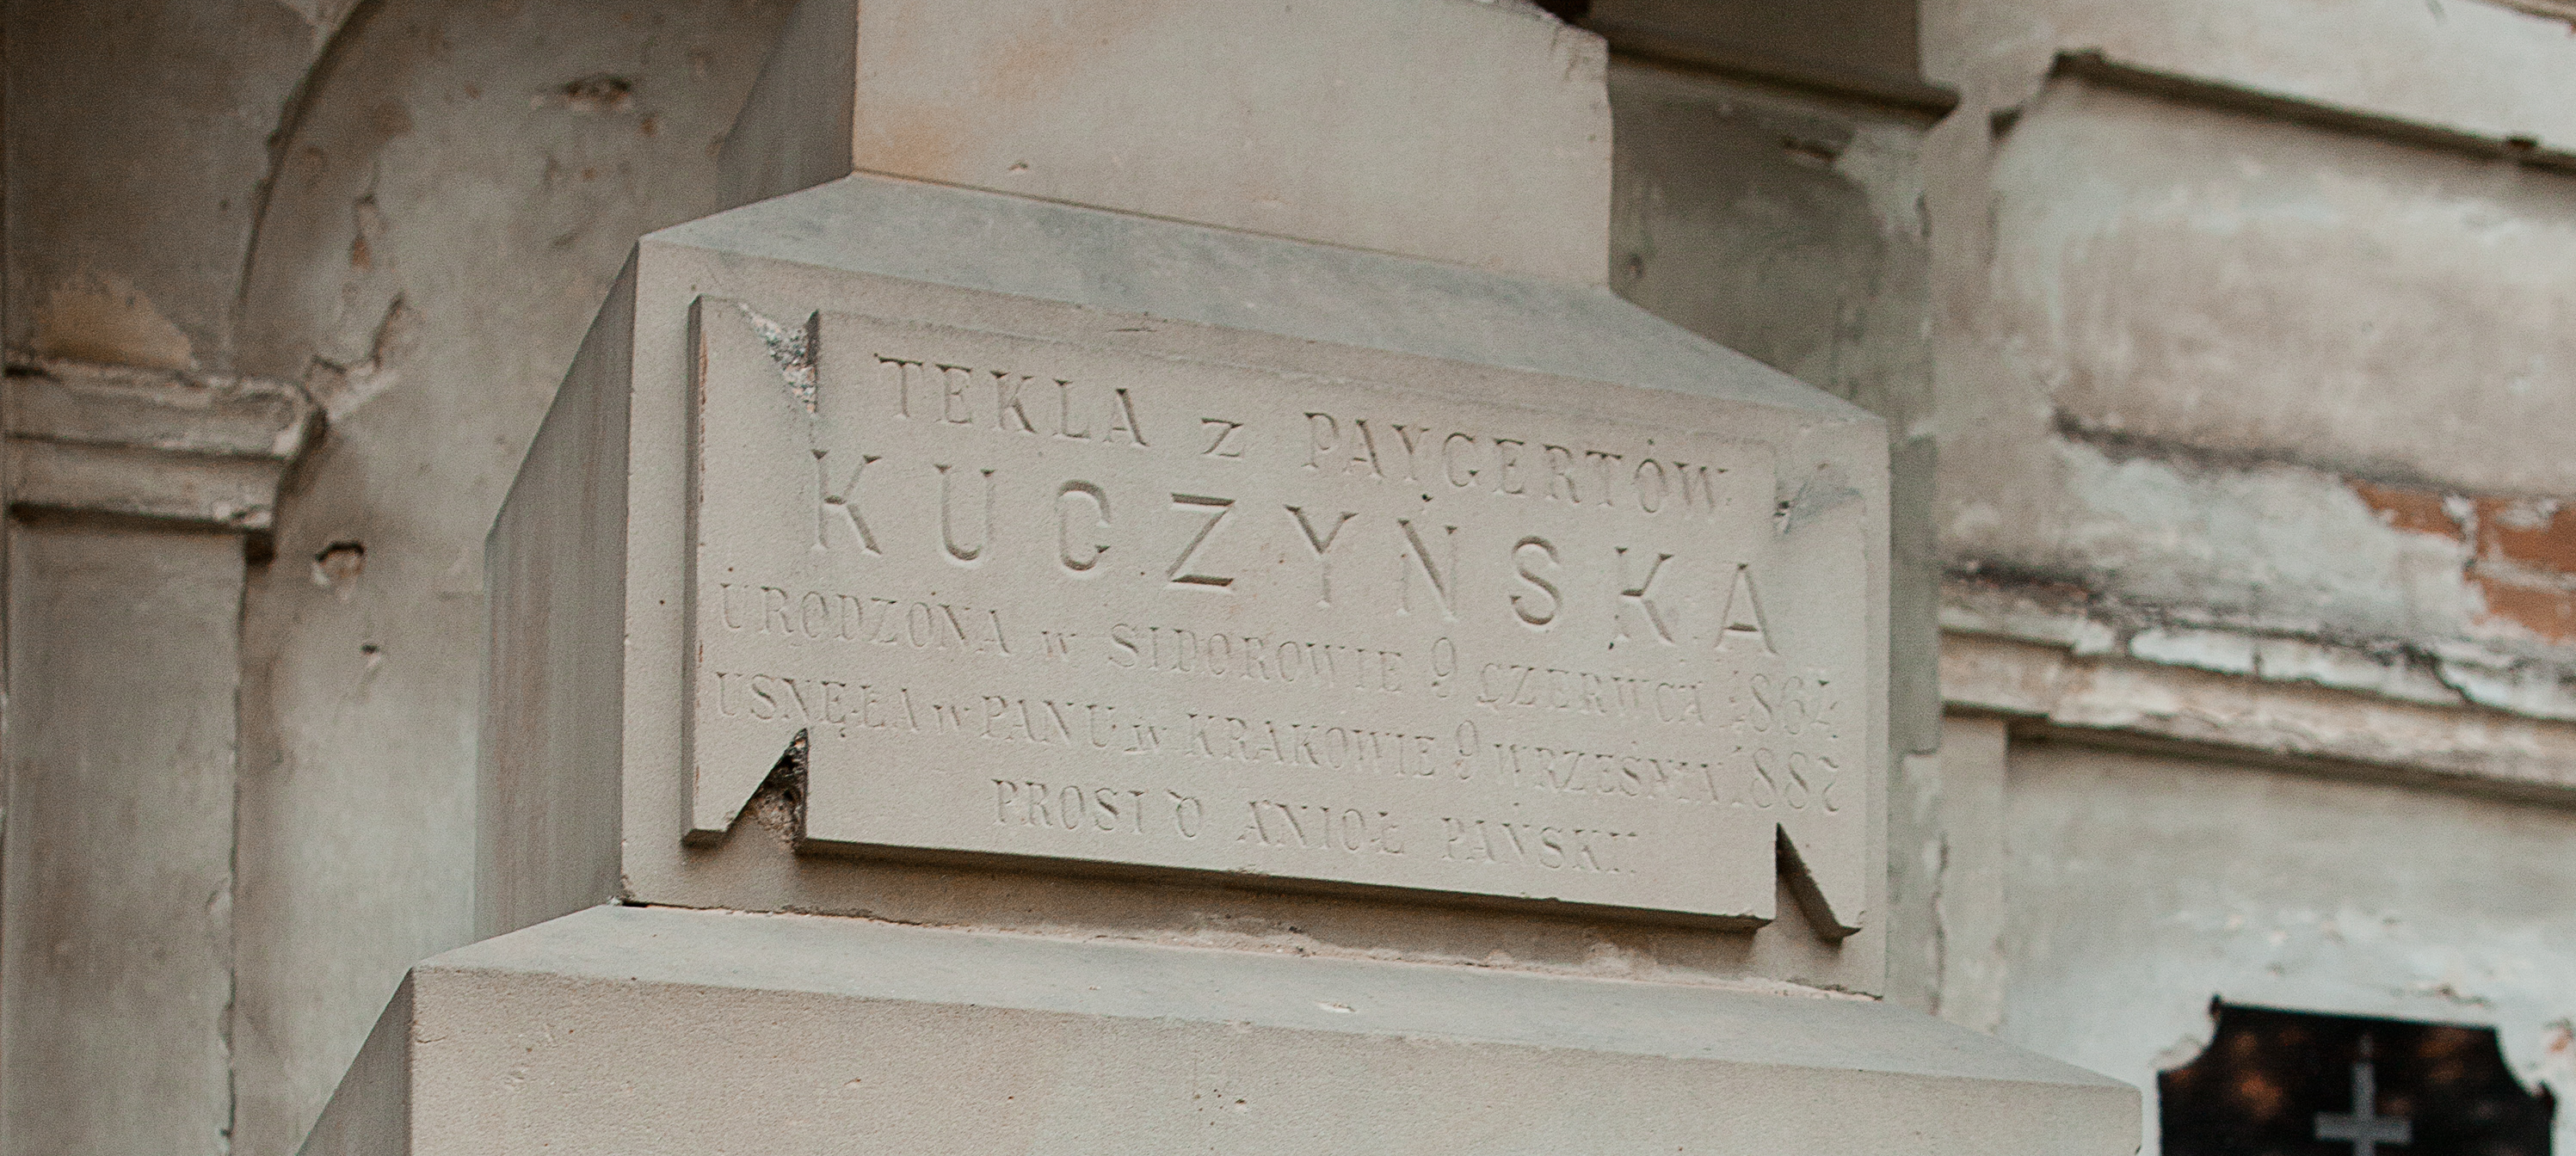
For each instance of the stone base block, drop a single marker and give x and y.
(645, 1030)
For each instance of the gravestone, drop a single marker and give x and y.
(1141, 593)
(2276, 1081)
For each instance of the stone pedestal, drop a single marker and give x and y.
(626, 1031)
(1170, 561)
(672, 553)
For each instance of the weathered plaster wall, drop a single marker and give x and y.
(2252, 358)
(2240, 365)
(2254, 288)
(2252, 372)
(1789, 226)
(409, 208)
(137, 148)
(2139, 886)
(2463, 64)
(454, 202)
(1786, 226)
(2252, 330)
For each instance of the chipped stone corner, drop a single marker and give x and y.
(793, 348)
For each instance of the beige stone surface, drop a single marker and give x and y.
(543, 653)
(2147, 495)
(222, 416)
(438, 140)
(235, 493)
(624, 1030)
(2245, 366)
(1328, 121)
(116, 921)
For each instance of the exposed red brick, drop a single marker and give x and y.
(2408, 508)
(2538, 535)
(2547, 611)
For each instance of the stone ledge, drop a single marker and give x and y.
(2454, 672)
(2455, 745)
(2102, 68)
(634, 1029)
(137, 443)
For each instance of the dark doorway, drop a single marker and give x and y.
(2290, 1083)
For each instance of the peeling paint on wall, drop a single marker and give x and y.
(106, 318)
(2523, 564)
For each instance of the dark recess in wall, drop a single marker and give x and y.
(1865, 49)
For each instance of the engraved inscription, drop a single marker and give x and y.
(1040, 599)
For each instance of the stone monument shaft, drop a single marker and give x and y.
(1173, 473)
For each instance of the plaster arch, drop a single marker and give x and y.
(456, 185)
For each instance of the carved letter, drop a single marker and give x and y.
(1522, 565)
(1449, 459)
(1560, 470)
(1181, 574)
(1638, 595)
(902, 374)
(954, 405)
(1650, 496)
(947, 518)
(1430, 569)
(1323, 544)
(1064, 413)
(1122, 416)
(1222, 429)
(1064, 526)
(1507, 454)
(1320, 437)
(1603, 459)
(1743, 614)
(842, 501)
(1413, 443)
(1007, 387)
(1704, 494)
(1365, 455)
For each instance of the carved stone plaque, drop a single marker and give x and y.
(1049, 601)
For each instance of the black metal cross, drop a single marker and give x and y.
(2365, 1129)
